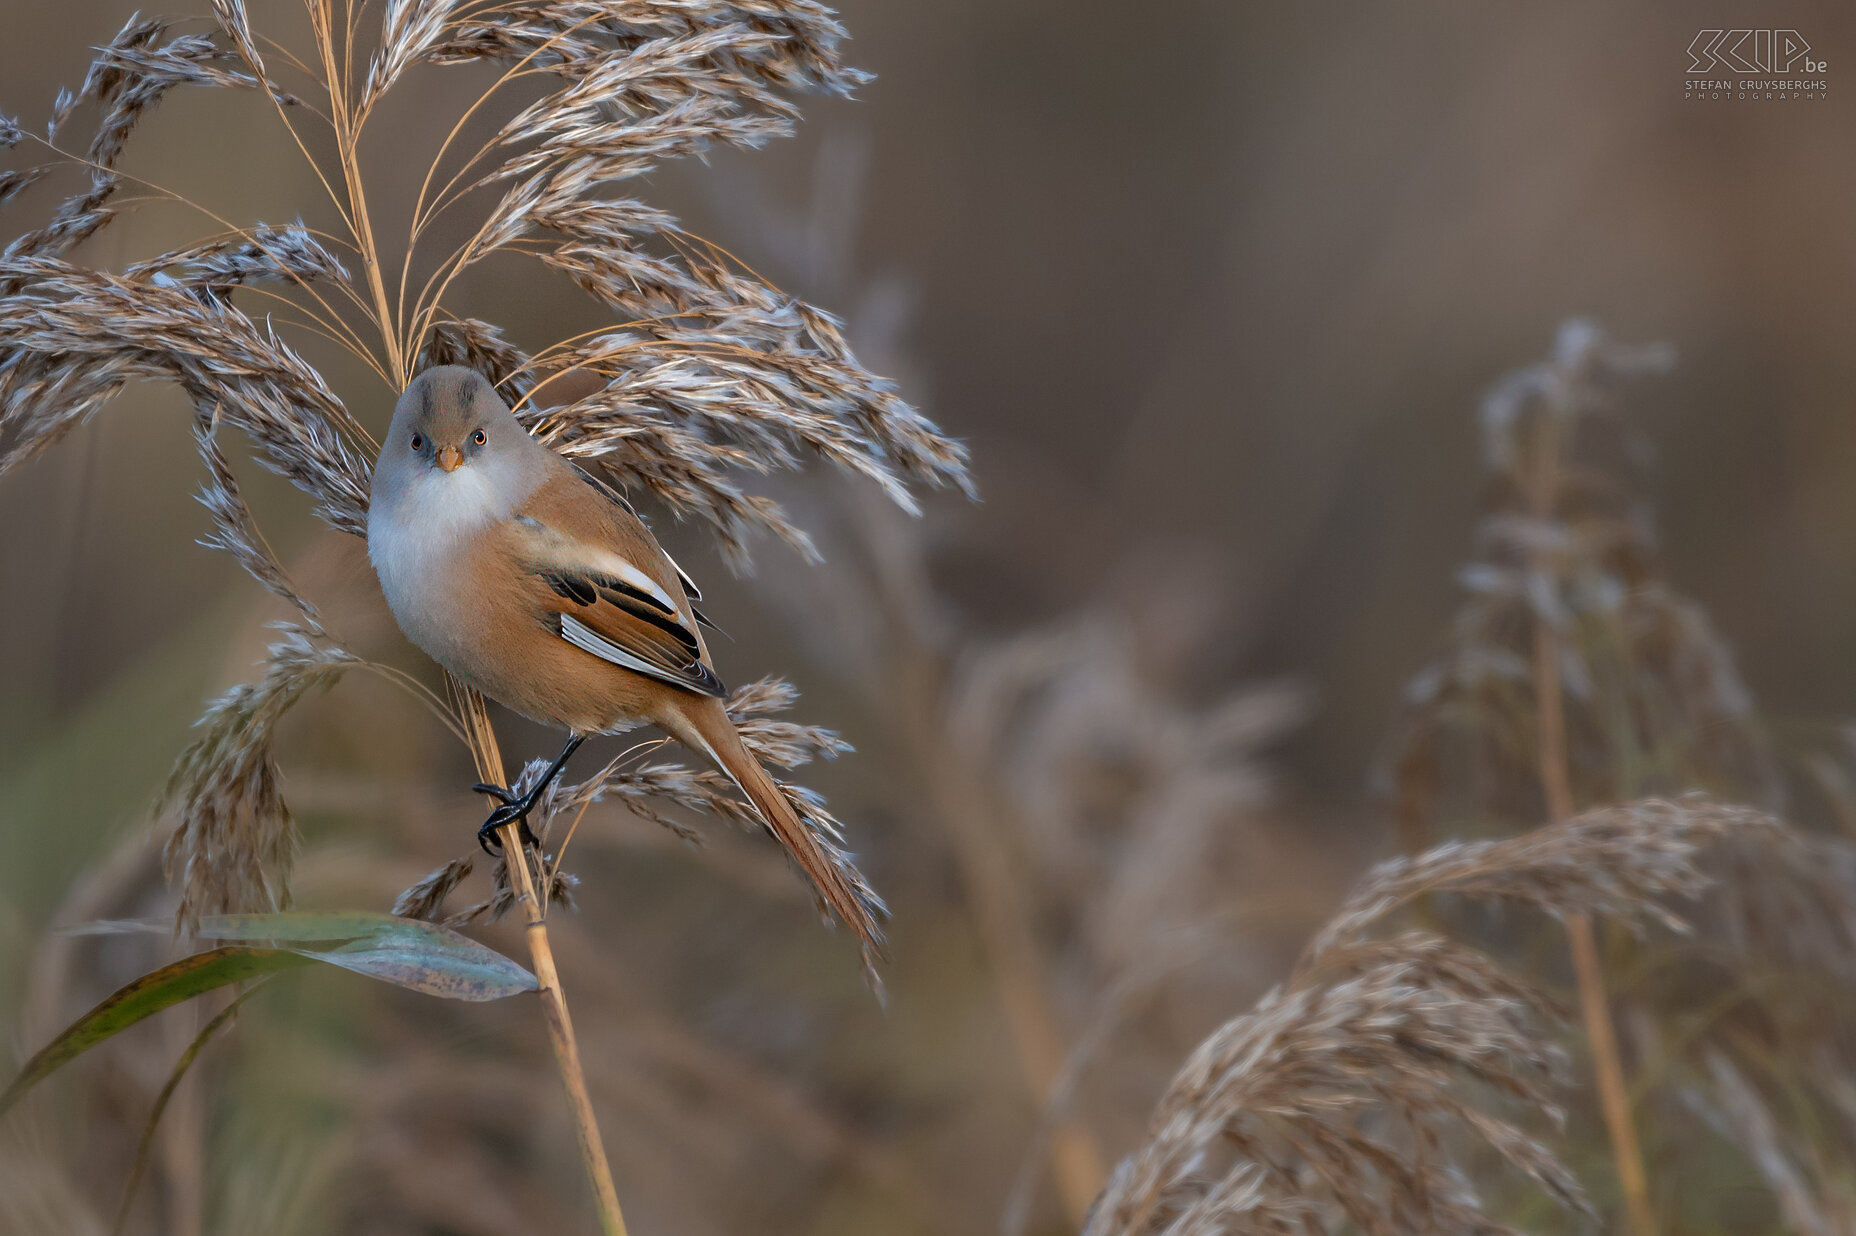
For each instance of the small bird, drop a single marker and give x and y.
(534, 582)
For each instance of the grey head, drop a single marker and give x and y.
(450, 417)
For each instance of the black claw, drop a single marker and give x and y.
(512, 808)
(516, 812)
(500, 793)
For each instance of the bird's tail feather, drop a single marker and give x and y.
(703, 726)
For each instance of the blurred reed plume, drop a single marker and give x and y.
(1107, 831)
(706, 370)
(1099, 817)
(1372, 1088)
(1652, 702)
(1575, 675)
(1358, 1093)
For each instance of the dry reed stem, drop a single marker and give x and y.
(1012, 952)
(1574, 674)
(489, 760)
(347, 145)
(990, 884)
(1556, 784)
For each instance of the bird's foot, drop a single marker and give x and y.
(514, 810)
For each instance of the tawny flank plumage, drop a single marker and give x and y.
(538, 585)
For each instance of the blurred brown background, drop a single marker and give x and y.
(1211, 290)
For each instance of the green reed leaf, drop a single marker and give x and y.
(200, 1040)
(405, 952)
(418, 956)
(146, 996)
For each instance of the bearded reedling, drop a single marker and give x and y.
(535, 583)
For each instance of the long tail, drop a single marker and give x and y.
(701, 725)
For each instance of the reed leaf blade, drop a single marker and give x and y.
(146, 996)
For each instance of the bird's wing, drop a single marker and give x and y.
(619, 500)
(615, 593)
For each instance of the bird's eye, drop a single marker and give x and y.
(478, 438)
(418, 443)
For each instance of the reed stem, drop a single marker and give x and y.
(1556, 786)
(1012, 952)
(489, 760)
(347, 147)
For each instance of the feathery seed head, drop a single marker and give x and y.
(1351, 1096)
(708, 374)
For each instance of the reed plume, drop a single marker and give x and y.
(1652, 700)
(706, 372)
(1574, 674)
(1357, 1093)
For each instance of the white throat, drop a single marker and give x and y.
(449, 506)
(415, 530)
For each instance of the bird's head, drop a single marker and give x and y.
(454, 458)
(450, 418)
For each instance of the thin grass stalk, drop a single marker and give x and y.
(484, 749)
(1556, 786)
(178, 1075)
(347, 145)
(489, 760)
(1013, 957)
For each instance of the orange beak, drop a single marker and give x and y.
(449, 457)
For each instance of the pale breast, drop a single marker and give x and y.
(421, 544)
